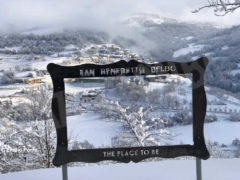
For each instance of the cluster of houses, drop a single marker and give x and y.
(107, 53)
(30, 78)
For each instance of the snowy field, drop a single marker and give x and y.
(213, 169)
(90, 126)
(99, 132)
(223, 132)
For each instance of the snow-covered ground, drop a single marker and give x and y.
(90, 126)
(212, 169)
(223, 132)
(190, 49)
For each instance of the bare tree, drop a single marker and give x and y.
(39, 106)
(221, 7)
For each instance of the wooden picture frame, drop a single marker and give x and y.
(122, 68)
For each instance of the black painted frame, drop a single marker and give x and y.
(199, 102)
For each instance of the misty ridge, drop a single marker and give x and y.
(148, 35)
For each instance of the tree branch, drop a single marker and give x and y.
(221, 7)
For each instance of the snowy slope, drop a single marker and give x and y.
(143, 20)
(213, 169)
(190, 49)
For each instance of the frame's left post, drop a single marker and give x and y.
(199, 169)
(64, 172)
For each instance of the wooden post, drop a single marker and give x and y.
(199, 168)
(64, 172)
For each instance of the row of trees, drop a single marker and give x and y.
(50, 43)
(135, 92)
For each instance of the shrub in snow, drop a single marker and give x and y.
(223, 145)
(167, 121)
(234, 118)
(82, 145)
(8, 77)
(182, 117)
(210, 118)
(216, 151)
(122, 140)
(236, 142)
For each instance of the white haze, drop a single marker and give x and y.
(18, 15)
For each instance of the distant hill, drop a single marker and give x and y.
(150, 36)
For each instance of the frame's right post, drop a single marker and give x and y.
(64, 172)
(199, 168)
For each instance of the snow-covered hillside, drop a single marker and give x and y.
(160, 107)
(219, 169)
(190, 49)
(143, 20)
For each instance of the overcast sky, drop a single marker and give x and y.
(99, 13)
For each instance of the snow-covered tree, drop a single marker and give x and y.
(135, 119)
(28, 144)
(40, 107)
(132, 91)
(39, 102)
(10, 144)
